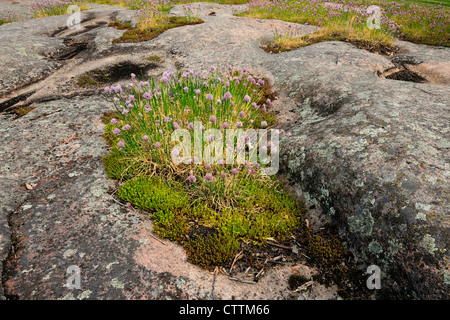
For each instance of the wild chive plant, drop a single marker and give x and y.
(7, 17)
(235, 201)
(150, 111)
(46, 8)
(347, 20)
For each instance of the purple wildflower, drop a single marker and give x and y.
(121, 144)
(114, 121)
(209, 177)
(116, 131)
(227, 96)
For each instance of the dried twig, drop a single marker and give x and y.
(241, 280)
(260, 273)
(237, 257)
(279, 245)
(154, 237)
(214, 281)
(271, 261)
(304, 286)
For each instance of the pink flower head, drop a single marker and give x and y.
(242, 114)
(210, 138)
(226, 125)
(238, 124)
(157, 145)
(223, 175)
(192, 178)
(147, 95)
(145, 138)
(234, 171)
(209, 97)
(126, 127)
(208, 167)
(212, 119)
(190, 126)
(116, 131)
(209, 177)
(247, 98)
(186, 89)
(176, 126)
(218, 101)
(227, 96)
(121, 144)
(263, 124)
(114, 121)
(197, 91)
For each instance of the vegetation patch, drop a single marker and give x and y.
(140, 34)
(355, 22)
(219, 208)
(22, 111)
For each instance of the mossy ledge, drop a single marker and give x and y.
(138, 35)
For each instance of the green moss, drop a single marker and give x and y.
(120, 25)
(22, 111)
(329, 251)
(155, 58)
(94, 79)
(212, 250)
(154, 194)
(138, 35)
(171, 224)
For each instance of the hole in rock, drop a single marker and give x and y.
(113, 74)
(406, 75)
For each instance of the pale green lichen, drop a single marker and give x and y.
(429, 243)
(394, 247)
(359, 183)
(446, 277)
(361, 224)
(69, 253)
(115, 283)
(375, 247)
(421, 216)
